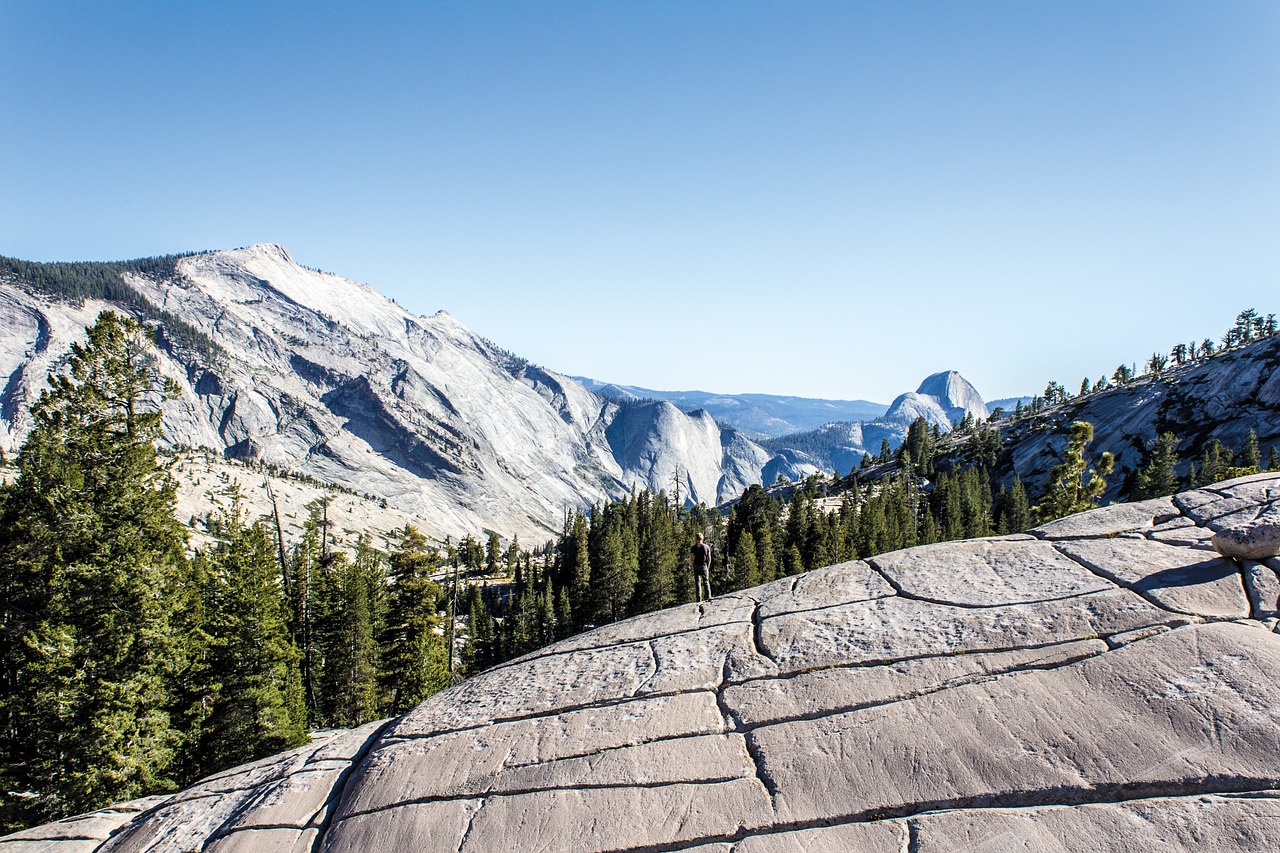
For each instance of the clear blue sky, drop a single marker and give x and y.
(820, 198)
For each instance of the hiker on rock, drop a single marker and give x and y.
(700, 563)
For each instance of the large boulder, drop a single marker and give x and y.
(1108, 682)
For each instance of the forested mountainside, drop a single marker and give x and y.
(1175, 427)
(1216, 405)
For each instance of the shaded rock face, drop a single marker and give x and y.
(326, 377)
(1107, 682)
(660, 447)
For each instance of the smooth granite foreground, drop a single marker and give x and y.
(1108, 682)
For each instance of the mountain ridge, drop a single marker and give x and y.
(942, 399)
(312, 372)
(322, 374)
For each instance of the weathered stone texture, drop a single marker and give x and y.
(1108, 521)
(1206, 824)
(987, 572)
(1179, 579)
(1111, 684)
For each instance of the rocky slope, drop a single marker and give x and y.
(1105, 683)
(1223, 397)
(322, 375)
(660, 447)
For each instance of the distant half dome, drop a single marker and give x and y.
(953, 391)
(911, 405)
(941, 399)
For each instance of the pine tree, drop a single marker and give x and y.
(305, 579)
(656, 586)
(1018, 517)
(346, 628)
(1070, 488)
(492, 553)
(1156, 478)
(480, 651)
(951, 507)
(793, 562)
(577, 554)
(615, 567)
(251, 698)
(873, 527)
(766, 556)
(92, 567)
(414, 660)
(746, 568)
(1250, 455)
(927, 526)
(1215, 459)
(1273, 459)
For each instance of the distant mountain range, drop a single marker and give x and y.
(759, 415)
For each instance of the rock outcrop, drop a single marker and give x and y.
(1107, 682)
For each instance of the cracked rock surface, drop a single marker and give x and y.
(1108, 682)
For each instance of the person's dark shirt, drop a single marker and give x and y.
(701, 555)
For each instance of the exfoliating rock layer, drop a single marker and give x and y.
(1108, 681)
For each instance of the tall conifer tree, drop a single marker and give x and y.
(1156, 478)
(92, 567)
(414, 661)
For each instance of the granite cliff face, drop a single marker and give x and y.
(324, 376)
(1108, 682)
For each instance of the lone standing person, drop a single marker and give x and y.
(700, 563)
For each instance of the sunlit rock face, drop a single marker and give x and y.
(324, 376)
(1106, 682)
